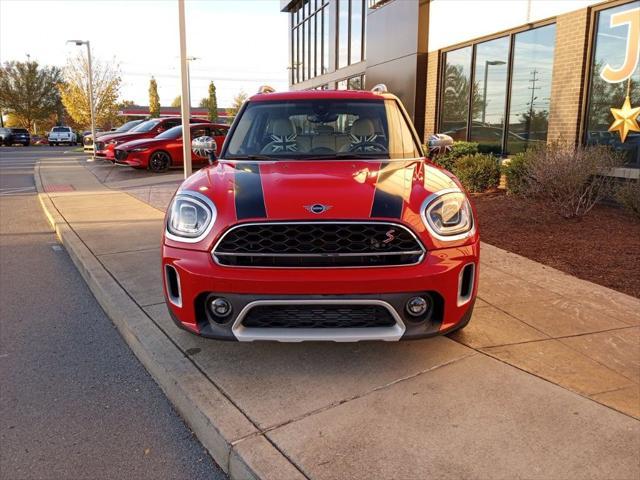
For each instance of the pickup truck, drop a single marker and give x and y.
(60, 135)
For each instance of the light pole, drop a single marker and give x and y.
(184, 110)
(484, 90)
(91, 105)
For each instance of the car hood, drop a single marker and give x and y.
(139, 142)
(392, 190)
(121, 137)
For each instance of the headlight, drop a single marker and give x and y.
(448, 215)
(139, 149)
(191, 217)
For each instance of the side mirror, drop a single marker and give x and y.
(439, 144)
(205, 147)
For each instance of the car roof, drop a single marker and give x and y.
(320, 94)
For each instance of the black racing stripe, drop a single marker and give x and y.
(385, 203)
(248, 192)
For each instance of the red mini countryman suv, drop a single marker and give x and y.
(321, 219)
(106, 144)
(163, 151)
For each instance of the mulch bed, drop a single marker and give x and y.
(602, 247)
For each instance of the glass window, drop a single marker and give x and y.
(312, 46)
(356, 30)
(611, 73)
(171, 133)
(294, 55)
(342, 85)
(530, 88)
(343, 33)
(145, 126)
(355, 83)
(303, 47)
(455, 95)
(489, 94)
(318, 128)
(298, 56)
(325, 40)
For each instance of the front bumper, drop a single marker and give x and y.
(191, 277)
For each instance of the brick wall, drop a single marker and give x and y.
(568, 70)
(431, 95)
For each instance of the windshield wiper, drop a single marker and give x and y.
(351, 155)
(251, 157)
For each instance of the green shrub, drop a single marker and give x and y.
(478, 172)
(628, 194)
(458, 150)
(516, 171)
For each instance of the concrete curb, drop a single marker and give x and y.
(233, 440)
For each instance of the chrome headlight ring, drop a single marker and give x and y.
(191, 217)
(448, 216)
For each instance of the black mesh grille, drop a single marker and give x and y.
(318, 316)
(318, 244)
(120, 154)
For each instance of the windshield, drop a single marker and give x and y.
(172, 133)
(128, 126)
(145, 126)
(61, 129)
(19, 130)
(326, 128)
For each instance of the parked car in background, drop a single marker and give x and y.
(148, 129)
(87, 138)
(12, 136)
(322, 219)
(59, 135)
(164, 151)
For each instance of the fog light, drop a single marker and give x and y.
(417, 306)
(220, 307)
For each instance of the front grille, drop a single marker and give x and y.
(318, 316)
(99, 145)
(121, 154)
(318, 244)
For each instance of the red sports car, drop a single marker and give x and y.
(148, 129)
(160, 153)
(321, 220)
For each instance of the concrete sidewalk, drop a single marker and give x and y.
(543, 383)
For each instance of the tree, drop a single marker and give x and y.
(211, 103)
(238, 100)
(76, 95)
(154, 98)
(177, 102)
(29, 92)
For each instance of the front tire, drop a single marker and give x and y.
(159, 162)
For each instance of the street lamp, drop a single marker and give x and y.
(484, 91)
(185, 104)
(79, 43)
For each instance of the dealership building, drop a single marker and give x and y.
(505, 74)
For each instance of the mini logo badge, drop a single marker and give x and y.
(317, 208)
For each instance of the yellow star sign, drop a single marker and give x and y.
(625, 119)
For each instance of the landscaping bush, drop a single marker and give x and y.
(478, 172)
(516, 173)
(458, 150)
(628, 194)
(570, 180)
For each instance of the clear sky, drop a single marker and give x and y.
(241, 44)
